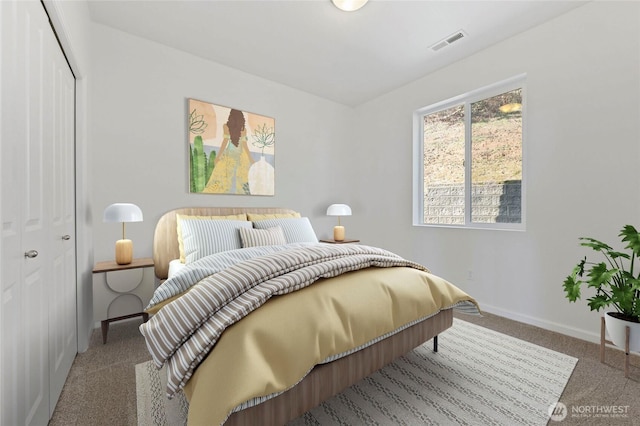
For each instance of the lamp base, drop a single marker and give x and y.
(338, 233)
(124, 252)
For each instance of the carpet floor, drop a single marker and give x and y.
(478, 376)
(101, 387)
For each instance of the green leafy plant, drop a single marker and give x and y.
(614, 278)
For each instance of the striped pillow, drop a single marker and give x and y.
(203, 237)
(296, 230)
(262, 237)
(181, 217)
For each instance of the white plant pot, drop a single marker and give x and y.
(616, 329)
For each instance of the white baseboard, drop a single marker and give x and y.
(547, 325)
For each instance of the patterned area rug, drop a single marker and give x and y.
(154, 408)
(477, 377)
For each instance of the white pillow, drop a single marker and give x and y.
(204, 237)
(262, 237)
(296, 230)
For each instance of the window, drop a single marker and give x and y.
(468, 159)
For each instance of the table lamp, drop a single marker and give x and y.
(338, 210)
(123, 212)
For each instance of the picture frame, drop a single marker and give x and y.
(230, 151)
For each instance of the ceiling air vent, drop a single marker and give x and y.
(447, 41)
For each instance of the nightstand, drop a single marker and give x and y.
(121, 291)
(340, 242)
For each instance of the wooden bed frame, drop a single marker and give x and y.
(324, 380)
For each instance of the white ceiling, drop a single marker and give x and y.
(347, 57)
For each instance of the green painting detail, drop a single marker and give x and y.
(220, 158)
(201, 166)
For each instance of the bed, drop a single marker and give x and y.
(226, 370)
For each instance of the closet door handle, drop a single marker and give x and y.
(66, 237)
(31, 254)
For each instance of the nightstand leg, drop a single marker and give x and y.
(105, 323)
(105, 330)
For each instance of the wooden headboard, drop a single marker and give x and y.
(165, 238)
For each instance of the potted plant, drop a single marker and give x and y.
(615, 282)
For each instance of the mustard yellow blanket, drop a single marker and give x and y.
(274, 347)
(257, 326)
(183, 332)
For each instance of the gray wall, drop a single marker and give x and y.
(139, 136)
(581, 149)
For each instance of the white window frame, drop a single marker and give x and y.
(466, 99)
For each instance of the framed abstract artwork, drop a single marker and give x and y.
(231, 151)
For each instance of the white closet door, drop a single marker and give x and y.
(25, 338)
(37, 307)
(62, 300)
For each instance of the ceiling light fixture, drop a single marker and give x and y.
(349, 5)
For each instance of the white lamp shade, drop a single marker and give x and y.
(349, 5)
(339, 210)
(122, 212)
